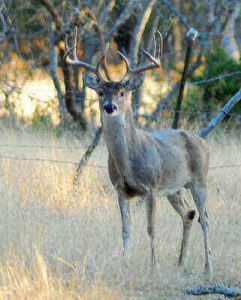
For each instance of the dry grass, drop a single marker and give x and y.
(56, 244)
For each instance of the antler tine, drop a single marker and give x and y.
(154, 40)
(67, 48)
(102, 60)
(155, 60)
(160, 45)
(98, 74)
(155, 63)
(126, 60)
(75, 61)
(75, 43)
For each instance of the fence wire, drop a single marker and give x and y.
(74, 163)
(42, 147)
(48, 160)
(216, 78)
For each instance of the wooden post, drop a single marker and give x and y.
(191, 36)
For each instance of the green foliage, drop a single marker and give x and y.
(217, 93)
(42, 122)
(194, 99)
(26, 18)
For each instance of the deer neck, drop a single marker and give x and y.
(121, 139)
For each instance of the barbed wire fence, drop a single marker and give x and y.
(216, 78)
(76, 163)
(89, 149)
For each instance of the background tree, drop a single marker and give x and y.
(35, 32)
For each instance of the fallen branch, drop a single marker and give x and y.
(87, 155)
(214, 289)
(221, 115)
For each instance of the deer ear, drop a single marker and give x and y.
(91, 81)
(134, 82)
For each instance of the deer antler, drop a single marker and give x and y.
(155, 60)
(75, 61)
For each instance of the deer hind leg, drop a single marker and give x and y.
(199, 195)
(151, 212)
(187, 214)
(125, 217)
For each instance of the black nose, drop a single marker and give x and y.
(110, 107)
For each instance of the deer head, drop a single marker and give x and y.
(114, 97)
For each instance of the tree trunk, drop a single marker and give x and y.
(135, 46)
(71, 94)
(53, 68)
(177, 35)
(229, 42)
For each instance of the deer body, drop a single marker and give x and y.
(140, 162)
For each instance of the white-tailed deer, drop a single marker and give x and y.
(141, 162)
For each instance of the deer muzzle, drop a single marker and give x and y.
(109, 107)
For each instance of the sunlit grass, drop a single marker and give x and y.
(31, 94)
(63, 243)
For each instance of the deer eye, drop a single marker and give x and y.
(100, 93)
(122, 94)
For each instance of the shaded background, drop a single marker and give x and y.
(36, 86)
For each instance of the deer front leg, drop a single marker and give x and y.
(151, 212)
(125, 217)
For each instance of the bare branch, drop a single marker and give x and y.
(99, 31)
(176, 12)
(54, 14)
(106, 11)
(142, 20)
(3, 22)
(7, 25)
(229, 42)
(123, 17)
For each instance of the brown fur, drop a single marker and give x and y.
(141, 163)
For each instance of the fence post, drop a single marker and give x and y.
(191, 36)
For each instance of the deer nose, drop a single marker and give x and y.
(110, 107)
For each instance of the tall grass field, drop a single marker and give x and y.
(60, 242)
